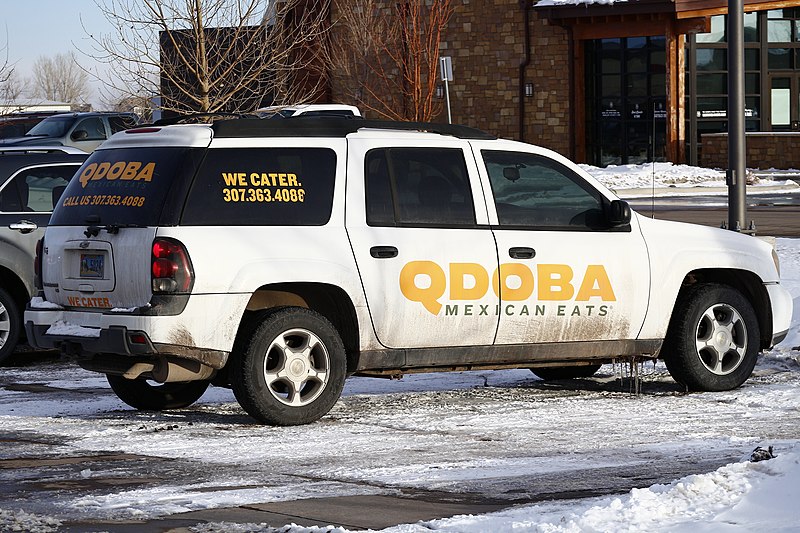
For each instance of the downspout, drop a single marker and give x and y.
(523, 67)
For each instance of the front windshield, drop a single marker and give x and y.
(52, 127)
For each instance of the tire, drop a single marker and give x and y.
(288, 366)
(10, 325)
(713, 339)
(149, 396)
(554, 373)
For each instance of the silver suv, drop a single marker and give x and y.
(31, 182)
(84, 131)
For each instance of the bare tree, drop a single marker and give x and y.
(385, 54)
(12, 86)
(61, 79)
(214, 55)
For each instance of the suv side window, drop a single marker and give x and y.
(418, 186)
(94, 128)
(263, 187)
(120, 123)
(36, 189)
(534, 191)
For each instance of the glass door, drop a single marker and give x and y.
(784, 98)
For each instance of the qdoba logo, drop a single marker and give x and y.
(516, 282)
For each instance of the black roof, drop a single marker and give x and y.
(318, 126)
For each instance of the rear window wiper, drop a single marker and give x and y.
(113, 229)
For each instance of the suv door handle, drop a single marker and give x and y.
(522, 252)
(23, 226)
(383, 252)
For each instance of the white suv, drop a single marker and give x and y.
(278, 257)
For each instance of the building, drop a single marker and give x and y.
(606, 82)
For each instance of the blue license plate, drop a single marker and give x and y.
(92, 265)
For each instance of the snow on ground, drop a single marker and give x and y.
(679, 178)
(469, 431)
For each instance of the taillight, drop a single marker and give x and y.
(170, 267)
(37, 264)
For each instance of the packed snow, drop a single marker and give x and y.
(498, 434)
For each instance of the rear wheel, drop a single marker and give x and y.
(289, 366)
(713, 340)
(151, 396)
(10, 325)
(552, 373)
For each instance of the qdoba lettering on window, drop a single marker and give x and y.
(121, 170)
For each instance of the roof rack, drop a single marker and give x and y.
(33, 149)
(201, 118)
(334, 127)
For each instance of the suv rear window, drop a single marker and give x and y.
(263, 187)
(124, 186)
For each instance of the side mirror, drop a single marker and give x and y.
(79, 135)
(619, 213)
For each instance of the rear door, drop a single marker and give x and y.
(417, 223)
(97, 250)
(26, 201)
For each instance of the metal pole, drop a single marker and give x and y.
(736, 136)
(447, 96)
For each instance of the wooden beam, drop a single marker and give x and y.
(673, 110)
(681, 115)
(619, 29)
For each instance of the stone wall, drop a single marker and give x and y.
(765, 150)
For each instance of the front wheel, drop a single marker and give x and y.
(289, 366)
(150, 396)
(713, 340)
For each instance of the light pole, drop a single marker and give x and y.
(446, 67)
(736, 128)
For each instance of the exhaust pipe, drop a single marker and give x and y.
(162, 370)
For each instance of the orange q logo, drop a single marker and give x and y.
(122, 170)
(426, 282)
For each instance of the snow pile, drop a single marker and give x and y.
(27, 522)
(61, 327)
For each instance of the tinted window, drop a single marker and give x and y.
(535, 191)
(120, 123)
(36, 189)
(418, 186)
(125, 186)
(95, 131)
(53, 126)
(263, 187)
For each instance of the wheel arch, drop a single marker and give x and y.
(14, 285)
(746, 282)
(330, 301)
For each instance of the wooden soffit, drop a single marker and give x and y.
(649, 12)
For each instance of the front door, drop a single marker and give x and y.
(564, 275)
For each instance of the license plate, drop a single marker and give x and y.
(92, 265)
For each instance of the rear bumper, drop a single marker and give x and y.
(120, 341)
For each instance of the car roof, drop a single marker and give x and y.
(11, 161)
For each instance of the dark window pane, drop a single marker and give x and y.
(712, 107)
(780, 58)
(751, 85)
(611, 86)
(712, 84)
(428, 186)
(263, 187)
(751, 58)
(636, 60)
(637, 85)
(658, 84)
(711, 59)
(535, 191)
